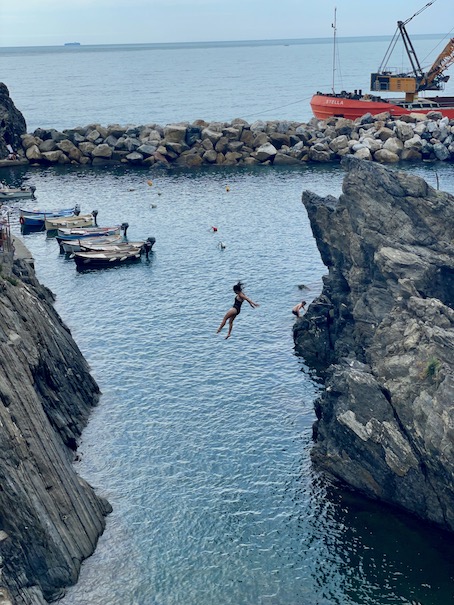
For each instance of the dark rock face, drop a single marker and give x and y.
(382, 334)
(12, 123)
(50, 519)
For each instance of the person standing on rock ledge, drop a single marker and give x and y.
(299, 307)
(240, 297)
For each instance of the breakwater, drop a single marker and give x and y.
(379, 138)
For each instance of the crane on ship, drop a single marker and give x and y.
(416, 80)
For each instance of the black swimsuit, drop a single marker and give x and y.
(237, 305)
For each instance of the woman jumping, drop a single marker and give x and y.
(240, 297)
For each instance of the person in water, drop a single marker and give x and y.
(240, 297)
(299, 307)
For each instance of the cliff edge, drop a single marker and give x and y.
(50, 519)
(381, 333)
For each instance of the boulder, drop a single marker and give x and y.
(102, 151)
(175, 133)
(384, 156)
(394, 145)
(266, 152)
(70, 150)
(33, 154)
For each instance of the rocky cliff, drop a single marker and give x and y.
(12, 123)
(382, 334)
(50, 519)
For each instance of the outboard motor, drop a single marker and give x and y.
(76, 210)
(148, 245)
(124, 228)
(33, 189)
(95, 216)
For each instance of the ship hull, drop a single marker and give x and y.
(327, 106)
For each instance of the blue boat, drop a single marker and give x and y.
(36, 217)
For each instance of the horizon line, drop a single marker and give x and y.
(74, 45)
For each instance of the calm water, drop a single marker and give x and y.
(202, 444)
(63, 87)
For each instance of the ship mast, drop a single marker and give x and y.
(333, 25)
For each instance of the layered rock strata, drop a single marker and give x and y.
(379, 138)
(12, 123)
(50, 519)
(382, 334)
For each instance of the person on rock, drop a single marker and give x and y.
(299, 307)
(240, 297)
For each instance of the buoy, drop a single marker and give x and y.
(222, 245)
(227, 188)
(150, 183)
(153, 206)
(21, 220)
(214, 229)
(159, 192)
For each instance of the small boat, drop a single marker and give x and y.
(101, 259)
(74, 245)
(352, 105)
(35, 217)
(83, 220)
(75, 234)
(16, 193)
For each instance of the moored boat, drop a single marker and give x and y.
(16, 193)
(352, 105)
(74, 234)
(83, 220)
(35, 217)
(74, 245)
(102, 259)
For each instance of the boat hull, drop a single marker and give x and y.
(53, 224)
(102, 260)
(16, 194)
(327, 106)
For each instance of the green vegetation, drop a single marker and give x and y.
(433, 367)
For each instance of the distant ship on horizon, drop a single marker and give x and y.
(72, 43)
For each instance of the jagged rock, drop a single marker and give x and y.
(440, 151)
(382, 335)
(12, 123)
(51, 518)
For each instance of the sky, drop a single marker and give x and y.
(54, 22)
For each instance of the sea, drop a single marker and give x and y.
(202, 444)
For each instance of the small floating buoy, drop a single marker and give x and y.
(131, 190)
(159, 192)
(227, 188)
(153, 206)
(214, 229)
(150, 183)
(221, 245)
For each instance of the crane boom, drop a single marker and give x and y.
(435, 74)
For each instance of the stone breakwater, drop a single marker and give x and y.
(379, 138)
(382, 333)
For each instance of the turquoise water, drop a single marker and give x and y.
(202, 444)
